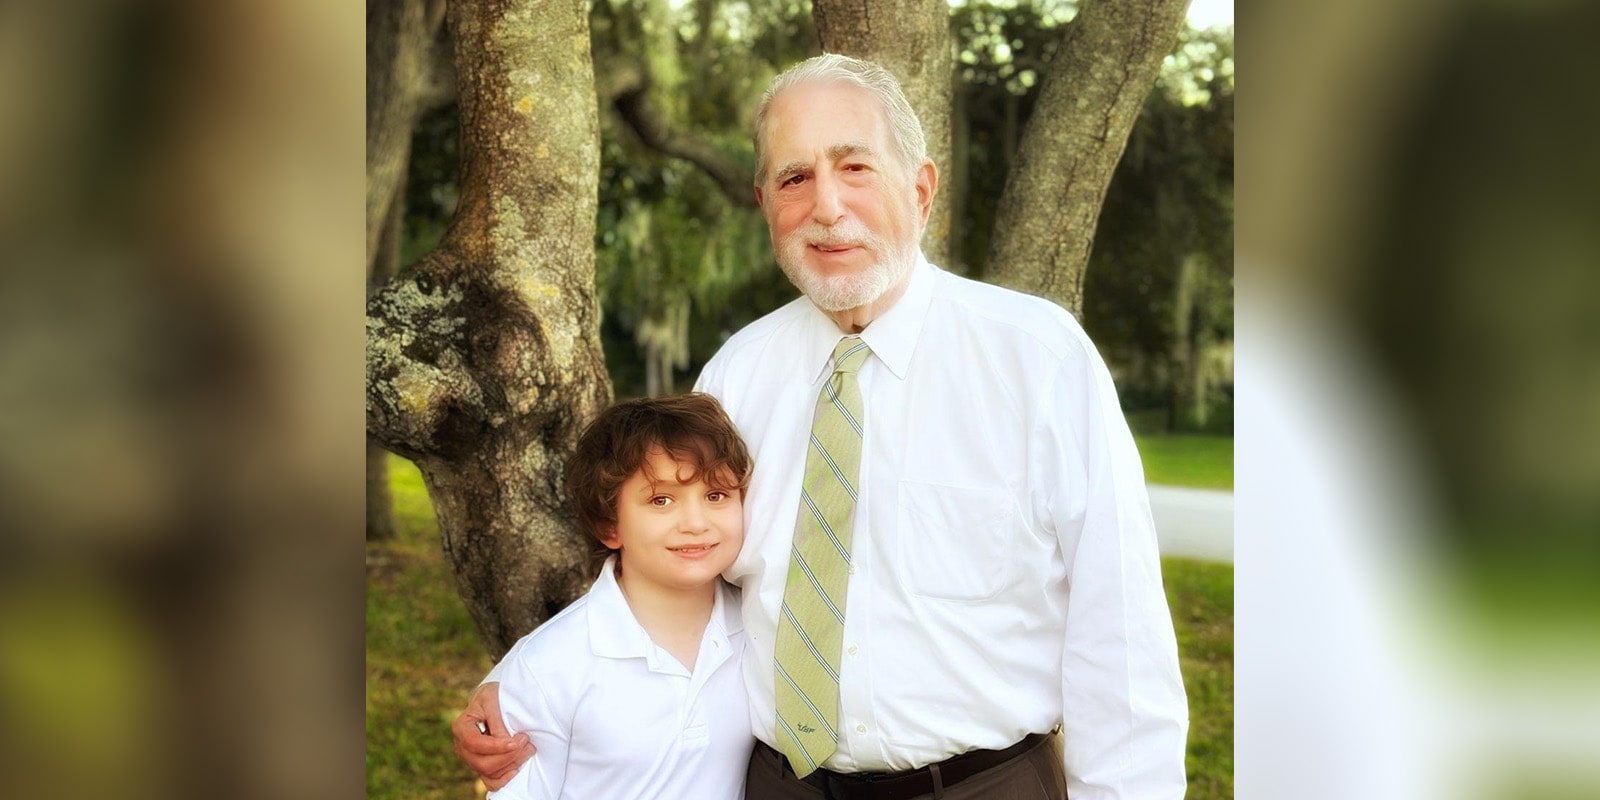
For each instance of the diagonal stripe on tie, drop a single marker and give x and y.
(811, 629)
(832, 673)
(837, 473)
(826, 528)
(816, 584)
(844, 411)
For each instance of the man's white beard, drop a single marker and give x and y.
(843, 292)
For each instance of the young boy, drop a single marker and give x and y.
(635, 690)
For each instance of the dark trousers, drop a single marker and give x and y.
(1034, 775)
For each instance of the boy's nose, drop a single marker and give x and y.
(694, 519)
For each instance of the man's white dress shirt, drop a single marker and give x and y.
(614, 716)
(1005, 575)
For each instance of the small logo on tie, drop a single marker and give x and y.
(804, 728)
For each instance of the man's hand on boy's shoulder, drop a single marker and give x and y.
(482, 740)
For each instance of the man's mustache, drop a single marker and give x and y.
(851, 233)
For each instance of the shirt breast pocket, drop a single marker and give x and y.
(954, 542)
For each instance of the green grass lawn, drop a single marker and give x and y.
(1200, 594)
(423, 655)
(1201, 462)
(423, 658)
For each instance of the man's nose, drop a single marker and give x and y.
(827, 206)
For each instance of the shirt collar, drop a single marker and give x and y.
(892, 336)
(725, 610)
(615, 633)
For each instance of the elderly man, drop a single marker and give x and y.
(950, 579)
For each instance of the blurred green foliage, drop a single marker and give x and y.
(80, 679)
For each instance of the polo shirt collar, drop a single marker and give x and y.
(725, 610)
(613, 630)
(615, 633)
(892, 336)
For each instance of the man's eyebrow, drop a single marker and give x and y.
(846, 149)
(791, 168)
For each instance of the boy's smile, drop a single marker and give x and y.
(693, 551)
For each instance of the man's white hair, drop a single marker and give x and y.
(904, 127)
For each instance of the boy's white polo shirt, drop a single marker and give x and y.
(614, 716)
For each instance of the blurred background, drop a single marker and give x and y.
(1418, 540)
(1416, 394)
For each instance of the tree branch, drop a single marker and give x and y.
(1093, 90)
(629, 91)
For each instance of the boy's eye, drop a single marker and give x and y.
(660, 500)
(717, 497)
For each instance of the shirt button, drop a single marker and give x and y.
(852, 569)
(860, 728)
(851, 650)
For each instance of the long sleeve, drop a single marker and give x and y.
(1124, 713)
(527, 709)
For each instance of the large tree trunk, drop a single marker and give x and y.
(1093, 90)
(910, 38)
(485, 362)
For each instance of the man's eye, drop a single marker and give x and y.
(793, 180)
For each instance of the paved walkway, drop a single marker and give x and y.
(1195, 523)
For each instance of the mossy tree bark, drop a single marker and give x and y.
(1092, 92)
(911, 39)
(484, 363)
(381, 268)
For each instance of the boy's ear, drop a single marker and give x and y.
(609, 537)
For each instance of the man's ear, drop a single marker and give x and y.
(927, 187)
(761, 200)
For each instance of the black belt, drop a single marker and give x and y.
(916, 782)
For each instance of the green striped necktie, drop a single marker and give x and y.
(811, 625)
